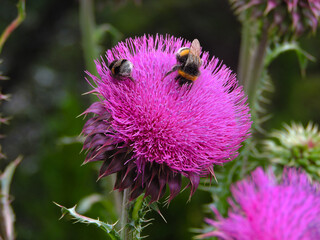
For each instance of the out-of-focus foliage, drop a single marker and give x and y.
(44, 60)
(21, 7)
(7, 217)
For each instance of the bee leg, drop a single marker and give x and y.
(131, 78)
(173, 69)
(182, 81)
(190, 86)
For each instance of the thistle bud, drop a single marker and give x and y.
(296, 146)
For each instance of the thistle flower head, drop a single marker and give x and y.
(294, 16)
(296, 146)
(150, 131)
(265, 209)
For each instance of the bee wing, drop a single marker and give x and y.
(195, 47)
(194, 56)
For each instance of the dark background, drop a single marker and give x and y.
(45, 63)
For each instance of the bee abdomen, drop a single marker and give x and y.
(116, 70)
(188, 76)
(121, 68)
(192, 69)
(126, 67)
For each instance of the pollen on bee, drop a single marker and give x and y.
(184, 52)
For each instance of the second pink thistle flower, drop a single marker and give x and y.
(151, 131)
(265, 209)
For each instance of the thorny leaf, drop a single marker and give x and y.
(302, 55)
(108, 228)
(7, 216)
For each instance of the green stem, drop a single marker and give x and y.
(125, 233)
(116, 195)
(245, 157)
(14, 24)
(258, 64)
(253, 54)
(87, 26)
(247, 40)
(251, 86)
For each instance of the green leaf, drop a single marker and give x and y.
(101, 31)
(70, 140)
(86, 203)
(302, 55)
(136, 208)
(108, 228)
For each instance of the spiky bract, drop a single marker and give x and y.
(286, 16)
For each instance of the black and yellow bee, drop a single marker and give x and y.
(188, 64)
(121, 69)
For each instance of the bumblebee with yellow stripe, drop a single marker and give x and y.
(121, 69)
(188, 64)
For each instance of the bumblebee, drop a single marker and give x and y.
(188, 64)
(121, 69)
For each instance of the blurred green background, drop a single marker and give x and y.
(44, 59)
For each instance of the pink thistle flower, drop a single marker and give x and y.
(150, 131)
(297, 16)
(267, 210)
